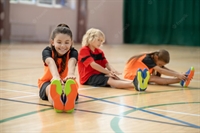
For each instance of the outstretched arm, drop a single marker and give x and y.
(53, 68)
(110, 68)
(71, 69)
(103, 70)
(99, 68)
(170, 73)
(169, 69)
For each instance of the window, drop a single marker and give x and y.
(61, 2)
(27, 0)
(13, 0)
(23, 1)
(48, 3)
(54, 3)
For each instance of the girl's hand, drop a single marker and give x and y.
(113, 75)
(57, 78)
(69, 77)
(182, 76)
(115, 72)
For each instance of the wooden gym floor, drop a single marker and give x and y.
(166, 109)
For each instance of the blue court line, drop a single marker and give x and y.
(130, 117)
(23, 115)
(87, 111)
(173, 119)
(115, 121)
(12, 100)
(146, 111)
(18, 83)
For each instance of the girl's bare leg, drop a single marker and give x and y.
(163, 81)
(48, 94)
(120, 83)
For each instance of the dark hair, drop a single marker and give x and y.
(63, 29)
(162, 54)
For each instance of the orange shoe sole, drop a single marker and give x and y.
(71, 91)
(190, 74)
(189, 77)
(56, 93)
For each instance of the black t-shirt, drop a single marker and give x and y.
(149, 62)
(47, 52)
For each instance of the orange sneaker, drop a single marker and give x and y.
(189, 74)
(56, 95)
(71, 88)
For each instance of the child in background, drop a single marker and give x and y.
(155, 62)
(58, 85)
(95, 70)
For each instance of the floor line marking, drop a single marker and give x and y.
(175, 112)
(17, 91)
(87, 111)
(23, 97)
(146, 111)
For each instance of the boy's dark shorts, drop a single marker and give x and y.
(98, 80)
(42, 92)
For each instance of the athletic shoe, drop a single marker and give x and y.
(141, 80)
(138, 80)
(189, 74)
(57, 95)
(71, 88)
(146, 77)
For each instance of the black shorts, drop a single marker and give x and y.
(98, 80)
(42, 92)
